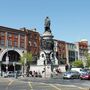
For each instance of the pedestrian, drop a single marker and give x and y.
(70, 66)
(66, 67)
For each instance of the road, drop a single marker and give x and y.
(43, 84)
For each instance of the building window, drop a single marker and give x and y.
(22, 45)
(30, 35)
(2, 42)
(9, 35)
(15, 43)
(35, 36)
(9, 43)
(22, 41)
(2, 38)
(2, 34)
(22, 37)
(15, 35)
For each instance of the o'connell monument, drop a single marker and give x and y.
(47, 56)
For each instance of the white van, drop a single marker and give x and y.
(76, 69)
(80, 70)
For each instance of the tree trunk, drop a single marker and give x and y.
(27, 69)
(23, 70)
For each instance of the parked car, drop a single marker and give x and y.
(71, 75)
(85, 76)
(19, 73)
(81, 70)
(5, 74)
(84, 71)
(11, 74)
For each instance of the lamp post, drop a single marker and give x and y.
(25, 64)
(45, 63)
(1, 68)
(14, 63)
(7, 62)
(52, 63)
(14, 66)
(7, 57)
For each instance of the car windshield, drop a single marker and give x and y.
(88, 72)
(85, 70)
(71, 72)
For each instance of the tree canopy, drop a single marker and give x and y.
(25, 60)
(87, 55)
(78, 64)
(26, 57)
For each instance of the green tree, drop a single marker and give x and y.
(87, 55)
(78, 64)
(25, 60)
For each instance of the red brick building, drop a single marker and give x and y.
(83, 48)
(61, 51)
(15, 42)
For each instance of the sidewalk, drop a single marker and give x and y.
(54, 76)
(57, 76)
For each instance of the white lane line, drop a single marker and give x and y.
(11, 81)
(82, 88)
(72, 86)
(65, 85)
(31, 88)
(52, 85)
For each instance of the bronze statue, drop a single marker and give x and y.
(47, 24)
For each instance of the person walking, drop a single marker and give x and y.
(66, 67)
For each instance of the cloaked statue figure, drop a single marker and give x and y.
(47, 24)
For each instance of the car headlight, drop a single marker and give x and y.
(68, 75)
(86, 76)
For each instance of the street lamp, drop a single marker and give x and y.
(14, 63)
(24, 67)
(0, 68)
(7, 62)
(52, 63)
(45, 63)
(7, 57)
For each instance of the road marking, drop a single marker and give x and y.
(66, 85)
(73, 86)
(31, 88)
(10, 82)
(82, 88)
(52, 85)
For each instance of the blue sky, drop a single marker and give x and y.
(70, 19)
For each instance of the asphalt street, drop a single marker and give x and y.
(43, 84)
(61, 83)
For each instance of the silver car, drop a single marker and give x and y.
(71, 75)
